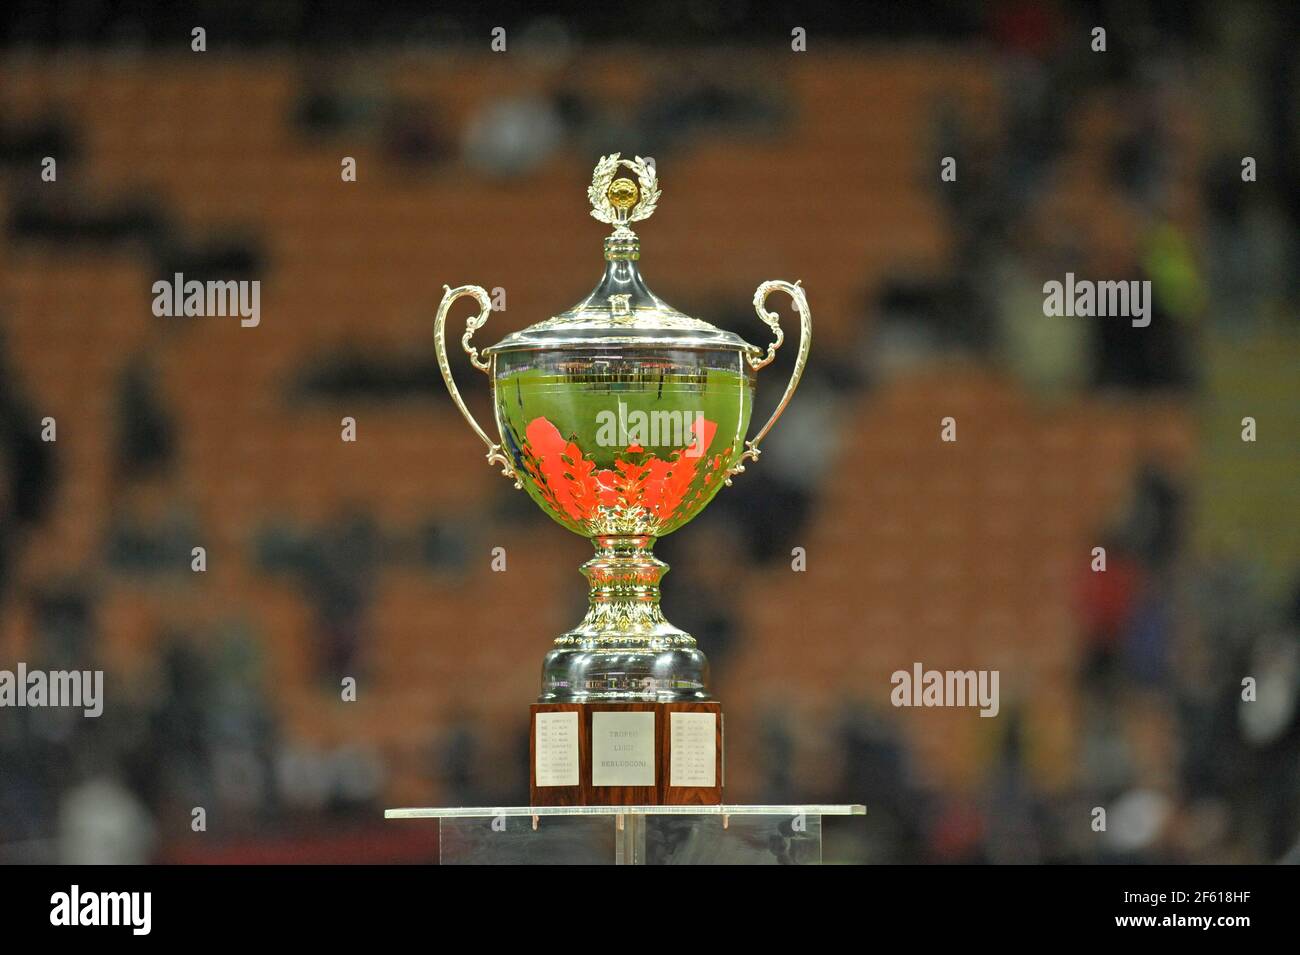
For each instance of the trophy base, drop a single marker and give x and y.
(624, 675)
(625, 754)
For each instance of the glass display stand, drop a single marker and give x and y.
(630, 835)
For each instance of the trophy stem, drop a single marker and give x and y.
(623, 609)
(624, 648)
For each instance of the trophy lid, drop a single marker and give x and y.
(621, 310)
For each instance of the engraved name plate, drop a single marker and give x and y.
(622, 749)
(693, 738)
(557, 749)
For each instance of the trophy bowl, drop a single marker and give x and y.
(623, 441)
(622, 418)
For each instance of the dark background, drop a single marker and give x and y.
(371, 559)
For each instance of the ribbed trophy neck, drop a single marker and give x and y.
(623, 600)
(622, 246)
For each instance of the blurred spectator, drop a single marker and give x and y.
(512, 137)
(146, 440)
(27, 471)
(102, 823)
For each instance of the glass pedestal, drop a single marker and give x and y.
(631, 835)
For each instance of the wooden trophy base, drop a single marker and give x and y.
(625, 754)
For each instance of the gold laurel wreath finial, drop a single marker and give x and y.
(619, 201)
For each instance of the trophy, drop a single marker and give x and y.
(622, 418)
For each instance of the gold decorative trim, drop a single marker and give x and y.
(494, 454)
(773, 321)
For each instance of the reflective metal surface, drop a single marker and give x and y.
(622, 418)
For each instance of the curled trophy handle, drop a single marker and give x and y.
(494, 454)
(773, 321)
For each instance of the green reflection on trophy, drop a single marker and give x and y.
(622, 418)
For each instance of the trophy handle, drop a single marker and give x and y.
(773, 321)
(494, 454)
